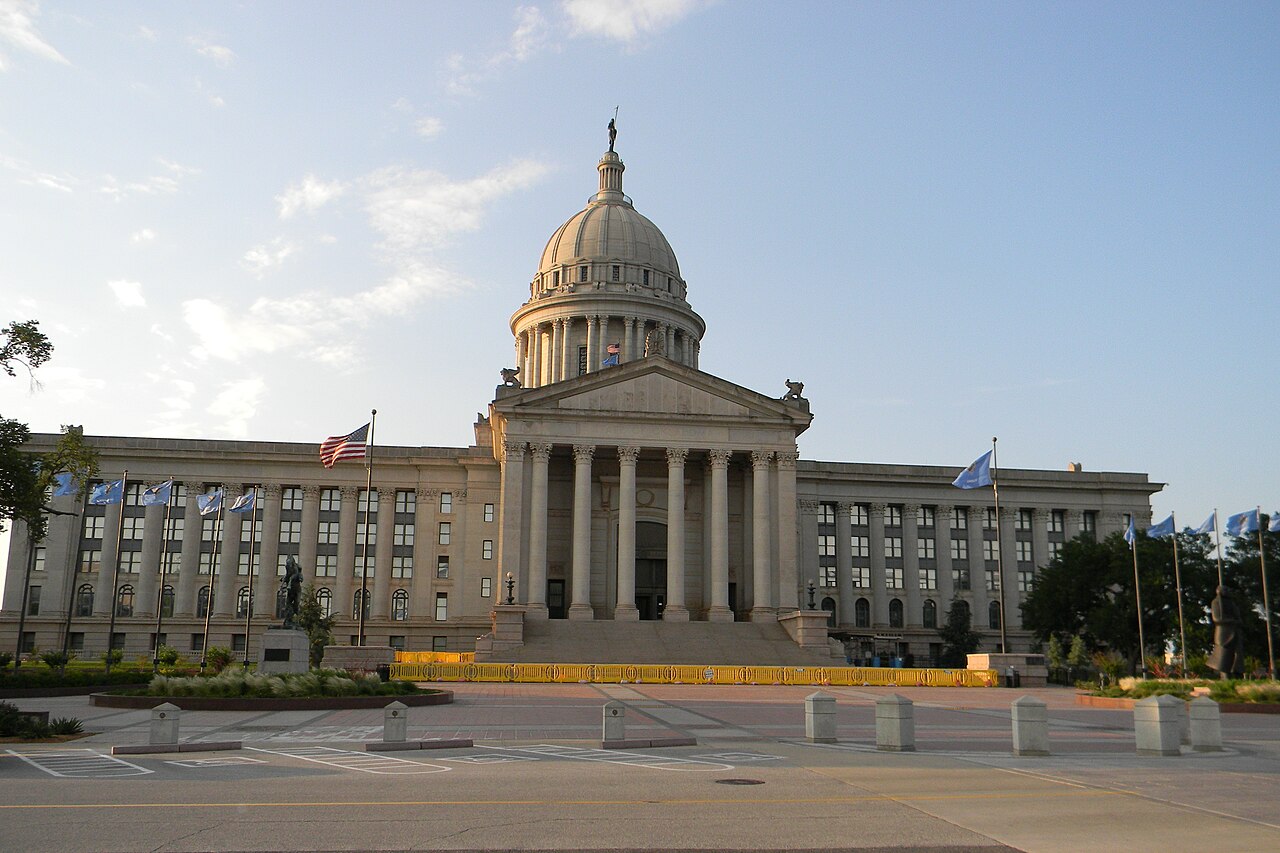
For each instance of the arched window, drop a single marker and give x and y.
(862, 613)
(166, 602)
(242, 602)
(355, 604)
(929, 618)
(895, 613)
(282, 601)
(84, 600)
(993, 615)
(962, 611)
(324, 598)
(124, 601)
(400, 605)
(202, 602)
(829, 605)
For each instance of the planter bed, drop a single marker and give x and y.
(73, 690)
(286, 703)
(1122, 704)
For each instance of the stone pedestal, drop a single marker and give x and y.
(1157, 723)
(808, 628)
(895, 724)
(395, 723)
(820, 718)
(283, 650)
(165, 721)
(507, 633)
(1206, 726)
(1030, 669)
(615, 721)
(1030, 727)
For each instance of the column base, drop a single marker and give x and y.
(626, 613)
(719, 613)
(762, 614)
(536, 611)
(581, 613)
(675, 613)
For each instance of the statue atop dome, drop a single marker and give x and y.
(613, 129)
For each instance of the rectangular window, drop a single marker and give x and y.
(402, 534)
(133, 494)
(488, 512)
(442, 567)
(989, 518)
(27, 642)
(1026, 580)
(924, 516)
(862, 577)
(39, 560)
(893, 546)
(893, 516)
(1055, 550)
(959, 549)
(617, 272)
(646, 278)
(1057, 521)
(90, 560)
(206, 562)
(330, 500)
(361, 527)
(207, 528)
(446, 530)
(197, 643)
(1024, 519)
(129, 562)
(439, 644)
(172, 561)
(291, 531)
(1024, 552)
(959, 518)
(367, 502)
(242, 563)
(396, 641)
(446, 503)
(76, 643)
(582, 361)
(237, 643)
(328, 533)
(582, 273)
(176, 529)
(442, 606)
(131, 527)
(406, 501)
(990, 550)
(991, 580)
(358, 568)
(826, 546)
(245, 529)
(402, 567)
(326, 565)
(1089, 522)
(291, 500)
(859, 515)
(929, 579)
(893, 577)
(860, 546)
(486, 587)
(33, 601)
(93, 526)
(924, 549)
(826, 576)
(486, 549)
(826, 513)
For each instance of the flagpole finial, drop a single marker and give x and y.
(373, 411)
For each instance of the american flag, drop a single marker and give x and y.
(614, 349)
(349, 446)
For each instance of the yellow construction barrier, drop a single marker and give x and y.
(616, 673)
(435, 657)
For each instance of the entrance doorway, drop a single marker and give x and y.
(651, 569)
(555, 598)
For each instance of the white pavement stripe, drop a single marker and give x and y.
(385, 765)
(80, 764)
(612, 756)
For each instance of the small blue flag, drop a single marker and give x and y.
(976, 475)
(107, 493)
(210, 503)
(1243, 522)
(244, 503)
(1164, 528)
(64, 484)
(1209, 525)
(157, 495)
(1130, 534)
(1274, 526)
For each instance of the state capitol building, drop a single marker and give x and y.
(638, 491)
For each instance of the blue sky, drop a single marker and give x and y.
(1054, 223)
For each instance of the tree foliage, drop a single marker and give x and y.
(23, 344)
(312, 619)
(957, 634)
(1242, 572)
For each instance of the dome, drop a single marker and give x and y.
(610, 230)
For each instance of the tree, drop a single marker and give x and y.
(958, 637)
(312, 619)
(23, 344)
(1242, 572)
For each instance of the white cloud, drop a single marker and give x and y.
(162, 184)
(530, 37)
(428, 127)
(158, 330)
(626, 20)
(263, 257)
(147, 33)
(142, 235)
(236, 404)
(128, 293)
(402, 105)
(32, 177)
(310, 194)
(221, 56)
(18, 28)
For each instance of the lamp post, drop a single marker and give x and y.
(812, 589)
(511, 588)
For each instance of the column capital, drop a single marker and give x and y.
(195, 487)
(977, 511)
(460, 496)
(761, 459)
(582, 453)
(628, 318)
(1040, 515)
(234, 490)
(540, 451)
(944, 510)
(350, 493)
(810, 507)
(877, 508)
(676, 456)
(512, 450)
(311, 492)
(428, 494)
(910, 510)
(273, 491)
(719, 458)
(1008, 512)
(846, 507)
(628, 455)
(787, 459)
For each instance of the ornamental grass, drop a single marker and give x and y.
(235, 682)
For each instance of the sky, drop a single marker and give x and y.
(1055, 223)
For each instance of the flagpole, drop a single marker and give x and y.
(115, 592)
(164, 553)
(1177, 580)
(1217, 534)
(1137, 594)
(74, 543)
(248, 614)
(1266, 602)
(213, 578)
(995, 492)
(364, 548)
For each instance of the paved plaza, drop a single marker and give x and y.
(536, 779)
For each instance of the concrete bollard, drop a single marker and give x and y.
(615, 721)
(820, 718)
(1156, 725)
(1030, 727)
(1184, 724)
(164, 723)
(395, 723)
(1206, 725)
(895, 724)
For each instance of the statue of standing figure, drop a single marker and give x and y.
(291, 585)
(613, 133)
(1227, 656)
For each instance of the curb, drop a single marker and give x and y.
(403, 745)
(244, 703)
(150, 748)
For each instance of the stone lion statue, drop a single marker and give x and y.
(509, 377)
(795, 391)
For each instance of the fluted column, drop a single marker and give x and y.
(1070, 524)
(535, 370)
(911, 565)
(602, 341)
(149, 572)
(879, 592)
(942, 547)
(1039, 537)
(844, 561)
(348, 514)
(788, 571)
(762, 608)
(628, 339)
(381, 562)
(671, 342)
(719, 610)
(1008, 569)
(224, 599)
(511, 503)
(537, 588)
(557, 345)
(427, 505)
(567, 363)
(593, 340)
(522, 357)
(580, 608)
(978, 567)
(110, 563)
(625, 608)
(189, 563)
(676, 609)
(264, 595)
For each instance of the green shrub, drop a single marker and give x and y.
(66, 726)
(218, 658)
(168, 656)
(113, 656)
(1259, 691)
(57, 660)
(1158, 687)
(6, 658)
(235, 682)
